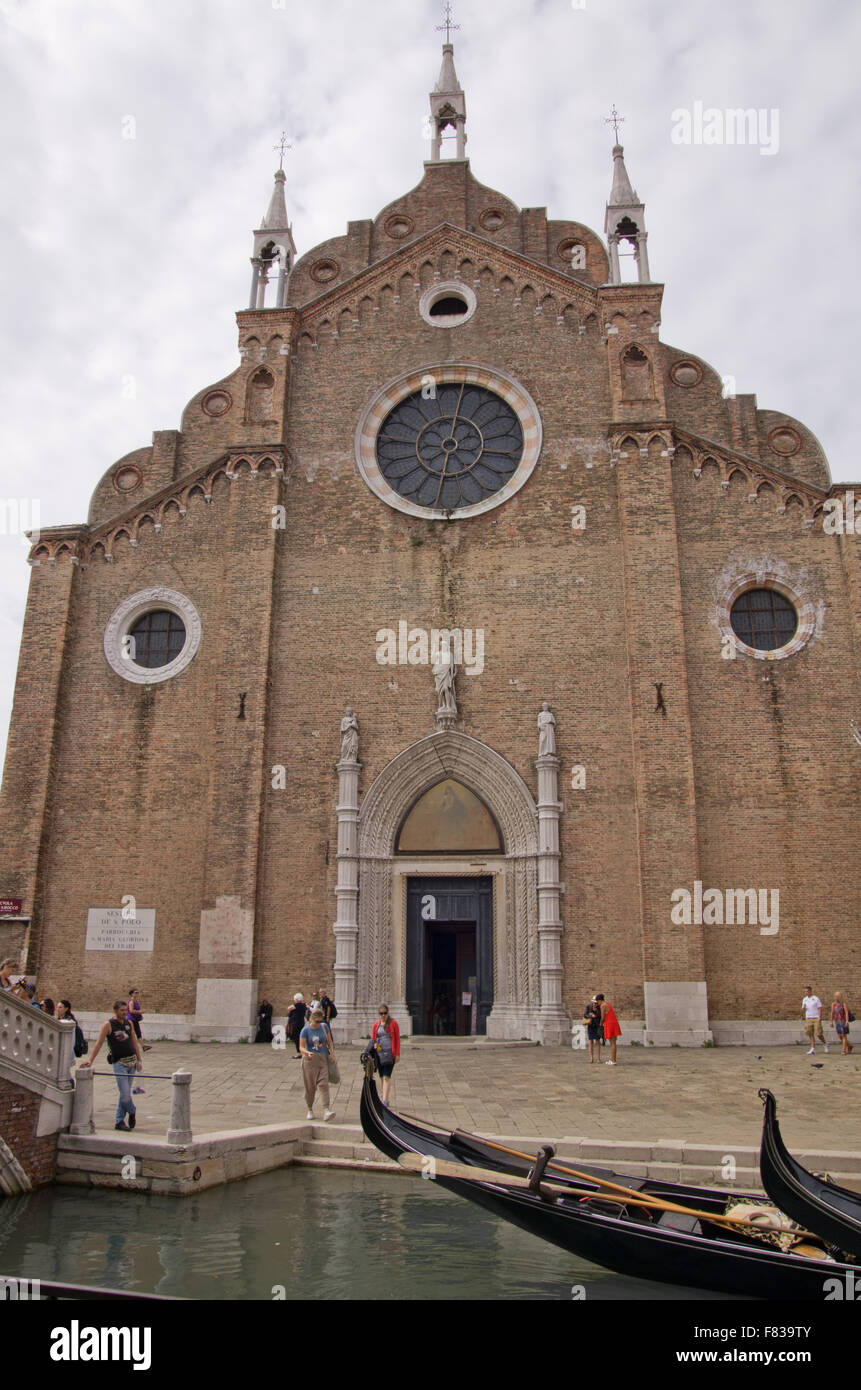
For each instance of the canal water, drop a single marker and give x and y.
(309, 1232)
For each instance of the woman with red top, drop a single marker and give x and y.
(610, 1025)
(386, 1040)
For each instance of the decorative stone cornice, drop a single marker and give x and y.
(408, 259)
(730, 461)
(82, 543)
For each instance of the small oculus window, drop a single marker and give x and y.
(447, 304)
(156, 639)
(764, 619)
(152, 636)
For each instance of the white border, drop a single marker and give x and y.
(441, 290)
(805, 612)
(475, 375)
(126, 615)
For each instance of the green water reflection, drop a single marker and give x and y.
(350, 1234)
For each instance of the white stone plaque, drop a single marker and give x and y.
(109, 930)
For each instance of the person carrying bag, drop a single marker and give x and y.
(318, 1055)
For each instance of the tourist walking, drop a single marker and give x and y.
(296, 1015)
(610, 1026)
(386, 1040)
(125, 1056)
(811, 1012)
(316, 1047)
(592, 1020)
(135, 1016)
(840, 1017)
(330, 1013)
(264, 1022)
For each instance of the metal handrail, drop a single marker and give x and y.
(50, 1290)
(148, 1075)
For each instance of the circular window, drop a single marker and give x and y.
(152, 636)
(492, 219)
(324, 271)
(763, 619)
(398, 226)
(156, 638)
(447, 304)
(686, 373)
(216, 403)
(784, 441)
(127, 478)
(451, 441)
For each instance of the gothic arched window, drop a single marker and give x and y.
(261, 398)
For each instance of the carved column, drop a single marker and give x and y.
(553, 1023)
(615, 271)
(346, 925)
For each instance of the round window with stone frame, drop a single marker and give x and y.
(447, 304)
(152, 636)
(451, 441)
(762, 616)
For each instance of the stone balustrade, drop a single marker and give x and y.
(36, 1050)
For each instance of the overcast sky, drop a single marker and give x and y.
(124, 259)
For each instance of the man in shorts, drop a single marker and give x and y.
(811, 1012)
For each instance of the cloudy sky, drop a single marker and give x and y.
(124, 259)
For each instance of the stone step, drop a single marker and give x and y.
(337, 1148)
(375, 1164)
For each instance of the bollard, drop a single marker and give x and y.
(578, 1035)
(180, 1109)
(82, 1103)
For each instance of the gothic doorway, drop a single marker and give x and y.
(449, 954)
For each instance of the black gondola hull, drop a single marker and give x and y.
(833, 1212)
(720, 1262)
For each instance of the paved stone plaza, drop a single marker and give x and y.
(698, 1095)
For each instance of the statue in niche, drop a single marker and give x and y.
(349, 737)
(546, 730)
(444, 672)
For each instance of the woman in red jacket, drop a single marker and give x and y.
(386, 1039)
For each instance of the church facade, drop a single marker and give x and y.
(468, 648)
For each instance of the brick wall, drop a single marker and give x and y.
(19, 1114)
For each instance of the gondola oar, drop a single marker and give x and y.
(427, 1165)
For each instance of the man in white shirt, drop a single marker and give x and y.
(811, 1012)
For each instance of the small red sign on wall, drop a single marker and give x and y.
(10, 907)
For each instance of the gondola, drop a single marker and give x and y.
(687, 1249)
(833, 1212)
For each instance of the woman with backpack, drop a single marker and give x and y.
(64, 1011)
(386, 1042)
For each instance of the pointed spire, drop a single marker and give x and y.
(447, 82)
(275, 219)
(621, 194)
(625, 219)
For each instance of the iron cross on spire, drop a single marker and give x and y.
(281, 147)
(448, 26)
(615, 120)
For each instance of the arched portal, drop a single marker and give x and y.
(376, 970)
